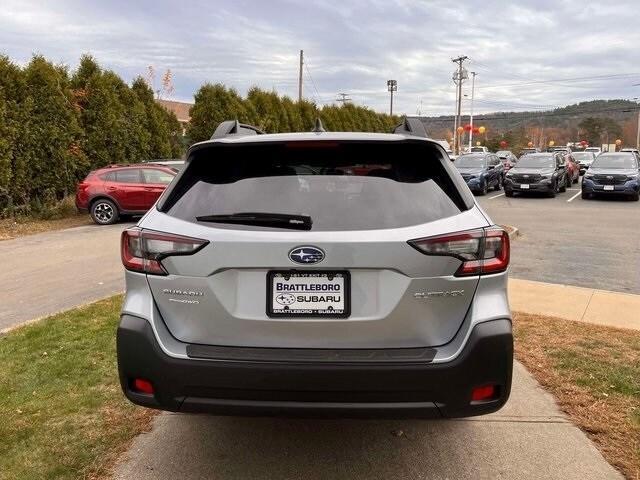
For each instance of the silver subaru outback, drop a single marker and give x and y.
(317, 274)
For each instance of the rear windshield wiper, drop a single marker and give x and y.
(276, 220)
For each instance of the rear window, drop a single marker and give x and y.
(341, 186)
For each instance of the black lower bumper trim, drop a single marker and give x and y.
(312, 355)
(415, 389)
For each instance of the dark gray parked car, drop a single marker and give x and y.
(538, 172)
(329, 274)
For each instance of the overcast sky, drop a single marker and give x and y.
(350, 46)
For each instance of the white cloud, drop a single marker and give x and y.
(352, 46)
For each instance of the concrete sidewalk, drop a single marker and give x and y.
(589, 305)
(528, 439)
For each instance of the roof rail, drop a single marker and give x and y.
(235, 128)
(318, 127)
(411, 126)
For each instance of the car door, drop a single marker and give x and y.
(495, 169)
(125, 185)
(156, 180)
(561, 169)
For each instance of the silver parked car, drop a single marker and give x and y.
(317, 274)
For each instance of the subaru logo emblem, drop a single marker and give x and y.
(306, 255)
(610, 177)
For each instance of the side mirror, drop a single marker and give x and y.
(491, 167)
(562, 166)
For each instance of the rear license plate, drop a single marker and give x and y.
(308, 294)
(608, 187)
(524, 186)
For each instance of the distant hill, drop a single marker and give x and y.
(564, 118)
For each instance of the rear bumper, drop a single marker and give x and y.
(417, 389)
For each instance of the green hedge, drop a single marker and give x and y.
(57, 125)
(275, 114)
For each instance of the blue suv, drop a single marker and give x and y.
(613, 173)
(481, 171)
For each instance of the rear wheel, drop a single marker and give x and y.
(104, 212)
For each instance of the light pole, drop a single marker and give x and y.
(473, 87)
(638, 131)
(392, 86)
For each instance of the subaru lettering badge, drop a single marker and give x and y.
(306, 255)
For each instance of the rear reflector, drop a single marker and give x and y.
(143, 250)
(484, 393)
(140, 385)
(481, 251)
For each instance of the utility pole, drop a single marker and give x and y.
(473, 88)
(300, 77)
(392, 86)
(343, 98)
(459, 77)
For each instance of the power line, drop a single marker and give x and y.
(574, 79)
(313, 83)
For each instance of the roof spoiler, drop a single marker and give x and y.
(234, 128)
(411, 126)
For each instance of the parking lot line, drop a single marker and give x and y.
(496, 196)
(574, 196)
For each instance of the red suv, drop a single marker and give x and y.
(119, 190)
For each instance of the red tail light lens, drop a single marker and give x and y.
(482, 251)
(143, 250)
(484, 393)
(141, 385)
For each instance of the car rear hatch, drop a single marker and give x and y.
(349, 278)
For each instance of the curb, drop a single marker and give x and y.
(513, 232)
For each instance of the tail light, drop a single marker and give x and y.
(482, 251)
(143, 250)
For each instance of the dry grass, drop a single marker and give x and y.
(27, 221)
(594, 373)
(12, 228)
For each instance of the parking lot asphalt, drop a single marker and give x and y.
(567, 240)
(49, 272)
(529, 438)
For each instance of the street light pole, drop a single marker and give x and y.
(473, 88)
(392, 86)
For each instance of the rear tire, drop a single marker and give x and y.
(104, 212)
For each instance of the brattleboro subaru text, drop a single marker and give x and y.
(332, 274)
